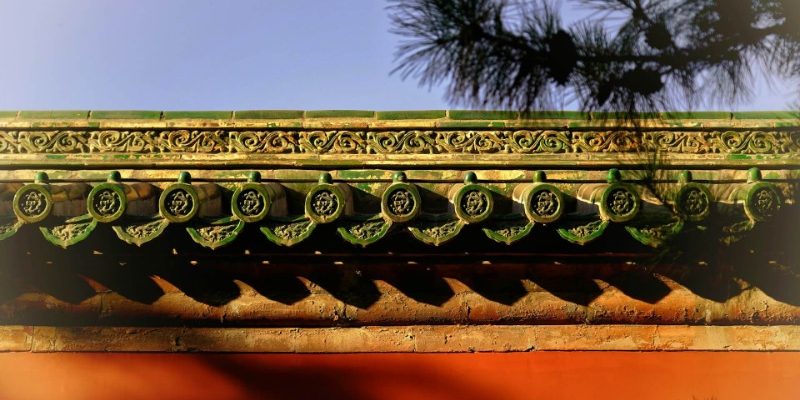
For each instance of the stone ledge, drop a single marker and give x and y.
(422, 339)
(325, 119)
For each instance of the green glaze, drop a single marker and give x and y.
(436, 230)
(251, 202)
(104, 196)
(216, 233)
(340, 114)
(473, 203)
(762, 200)
(364, 230)
(471, 124)
(655, 236)
(288, 231)
(508, 230)
(766, 115)
(268, 114)
(693, 202)
(483, 115)
(184, 193)
(395, 115)
(401, 202)
(72, 231)
(582, 234)
(33, 202)
(54, 114)
(543, 203)
(325, 203)
(619, 202)
(141, 231)
(8, 227)
(198, 114)
(125, 114)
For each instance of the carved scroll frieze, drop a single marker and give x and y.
(268, 141)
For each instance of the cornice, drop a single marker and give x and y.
(372, 174)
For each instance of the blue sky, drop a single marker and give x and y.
(203, 54)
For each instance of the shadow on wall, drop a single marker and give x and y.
(766, 259)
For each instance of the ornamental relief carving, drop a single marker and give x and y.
(474, 203)
(179, 203)
(217, 233)
(694, 202)
(144, 230)
(401, 203)
(765, 202)
(33, 203)
(292, 230)
(621, 202)
(440, 230)
(123, 141)
(324, 203)
(367, 230)
(510, 228)
(545, 203)
(397, 142)
(107, 202)
(193, 141)
(586, 230)
(70, 231)
(251, 202)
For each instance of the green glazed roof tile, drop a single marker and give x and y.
(555, 115)
(56, 114)
(471, 124)
(696, 115)
(126, 114)
(340, 114)
(767, 115)
(421, 114)
(198, 114)
(488, 115)
(268, 114)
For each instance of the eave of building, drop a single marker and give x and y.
(354, 158)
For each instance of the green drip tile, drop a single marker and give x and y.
(488, 115)
(198, 114)
(268, 114)
(8, 114)
(126, 114)
(767, 115)
(59, 114)
(426, 114)
(340, 114)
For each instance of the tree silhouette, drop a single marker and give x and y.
(659, 54)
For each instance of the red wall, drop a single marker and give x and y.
(543, 375)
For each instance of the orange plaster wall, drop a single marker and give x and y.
(543, 375)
